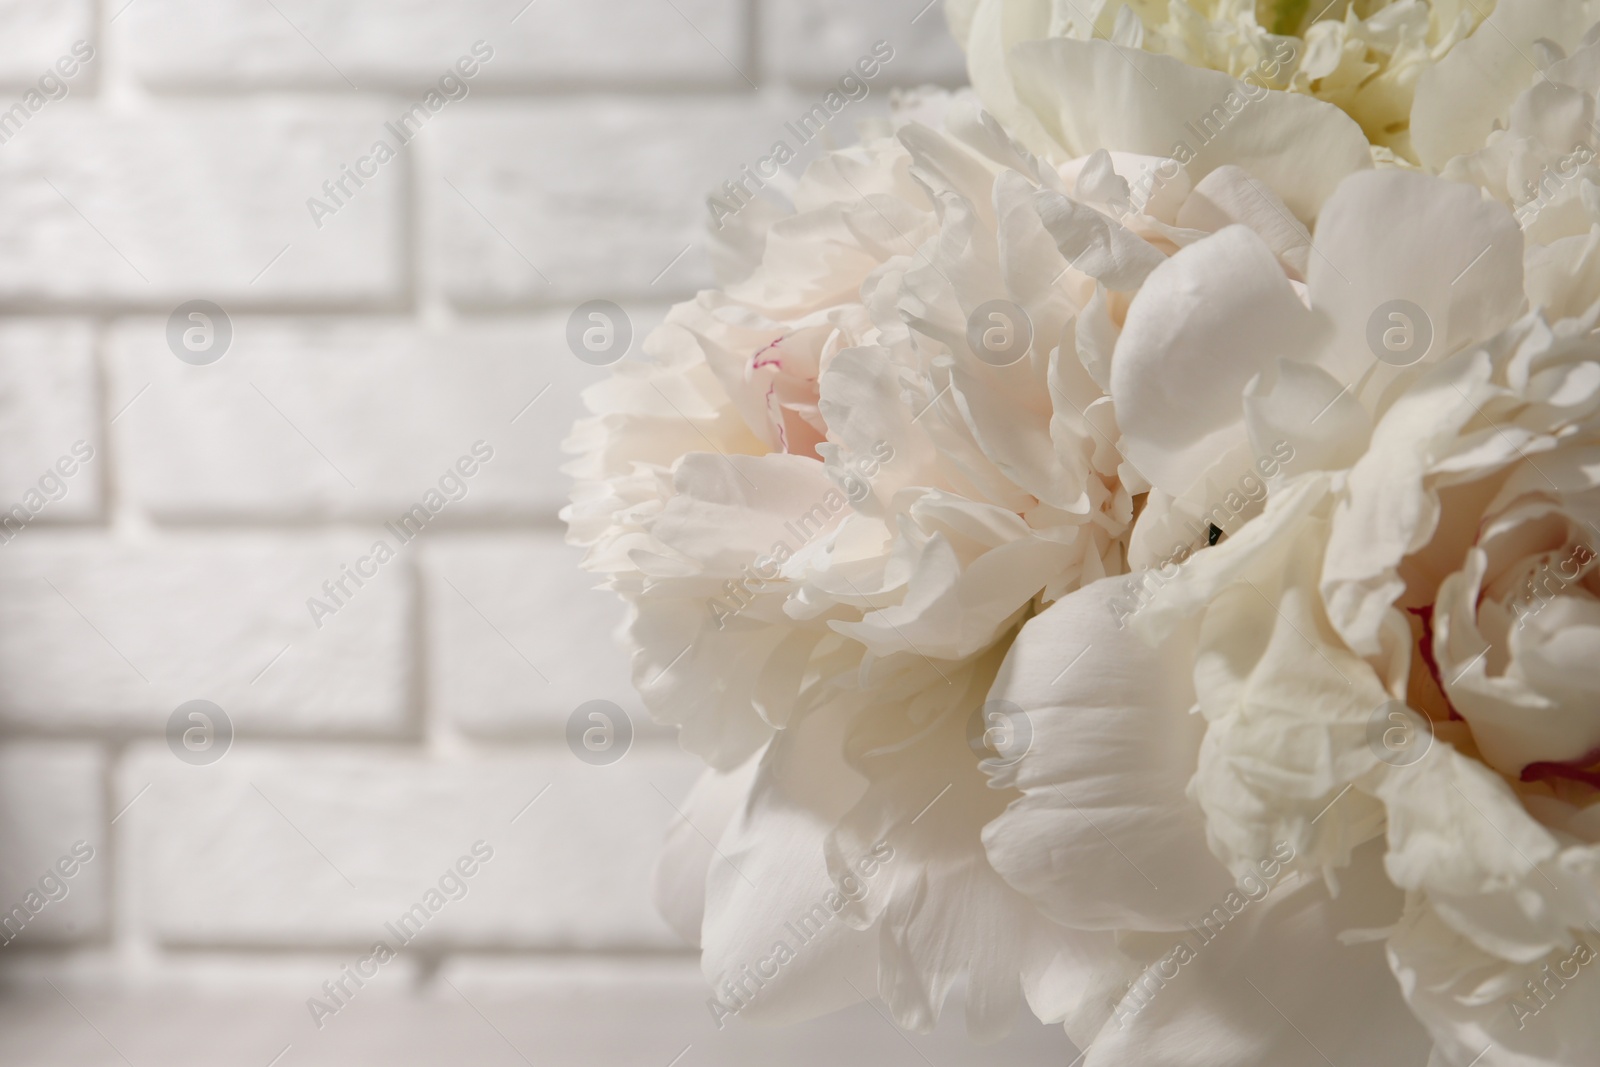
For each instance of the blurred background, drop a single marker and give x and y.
(238, 340)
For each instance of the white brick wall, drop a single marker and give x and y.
(48, 403)
(347, 417)
(379, 44)
(52, 796)
(278, 846)
(505, 661)
(179, 200)
(35, 34)
(113, 633)
(607, 215)
(370, 348)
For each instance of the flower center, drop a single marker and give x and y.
(1282, 16)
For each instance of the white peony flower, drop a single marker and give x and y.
(1398, 647)
(828, 515)
(829, 508)
(1365, 58)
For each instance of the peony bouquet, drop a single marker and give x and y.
(1123, 540)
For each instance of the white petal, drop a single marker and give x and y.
(1394, 235)
(679, 883)
(728, 510)
(1469, 92)
(1229, 195)
(940, 910)
(1096, 245)
(1301, 410)
(1542, 706)
(1275, 987)
(860, 398)
(769, 885)
(1478, 1007)
(694, 667)
(1104, 835)
(1458, 830)
(1387, 512)
(1149, 104)
(1564, 277)
(995, 27)
(1207, 321)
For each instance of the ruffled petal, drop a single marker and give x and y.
(944, 912)
(1480, 1008)
(1301, 148)
(1104, 835)
(1206, 322)
(776, 947)
(1391, 235)
(1465, 95)
(1269, 981)
(679, 881)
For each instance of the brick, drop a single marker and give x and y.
(240, 1008)
(157, 208)
(37, 34)
(52, 810)
(411, 43)
(488, 1014)
(104, 634)
(595, 197)
(349, 417)
(280, 846)
(815, 43)
(47, 405)
(518, 636)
